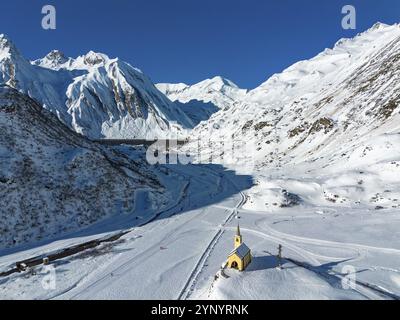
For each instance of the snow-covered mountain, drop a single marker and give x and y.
(53, 180)
(93, 94)
(221, 92)
(56, 60)
(320, 144)
(201, 100)
(335, 113)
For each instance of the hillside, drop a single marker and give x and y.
(54, 181)
(326, 129)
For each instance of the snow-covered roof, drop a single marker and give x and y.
(241, 251)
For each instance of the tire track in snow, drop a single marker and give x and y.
(183, 196)
(142, 256)
(327, 243)
(308, 256)
(190, 284)
(368, 290)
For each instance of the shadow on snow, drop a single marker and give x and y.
(197, 111)
(232, 184)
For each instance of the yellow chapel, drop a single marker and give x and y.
(240, 257)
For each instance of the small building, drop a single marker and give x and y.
(240, 257)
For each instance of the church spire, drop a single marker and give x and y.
(238, 237)
(238, 230)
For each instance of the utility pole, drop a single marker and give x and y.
(280, 256)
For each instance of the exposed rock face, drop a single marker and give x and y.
(94, 95)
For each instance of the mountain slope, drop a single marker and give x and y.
(54, 180)
(93, 94)
(336, 113)
(201, 100)
(345, 92)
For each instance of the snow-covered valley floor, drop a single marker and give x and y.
(178, 255)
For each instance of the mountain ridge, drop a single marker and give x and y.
(94, 95)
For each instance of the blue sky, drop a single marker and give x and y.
(191, 40)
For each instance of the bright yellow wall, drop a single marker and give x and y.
(238, 241)
(235, 258)
(242, 264)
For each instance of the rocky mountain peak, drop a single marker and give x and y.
(7, 47)
(94, 58)
(57, 56)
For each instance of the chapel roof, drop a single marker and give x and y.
(241, 251)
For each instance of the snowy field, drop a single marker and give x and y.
(178, 255)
